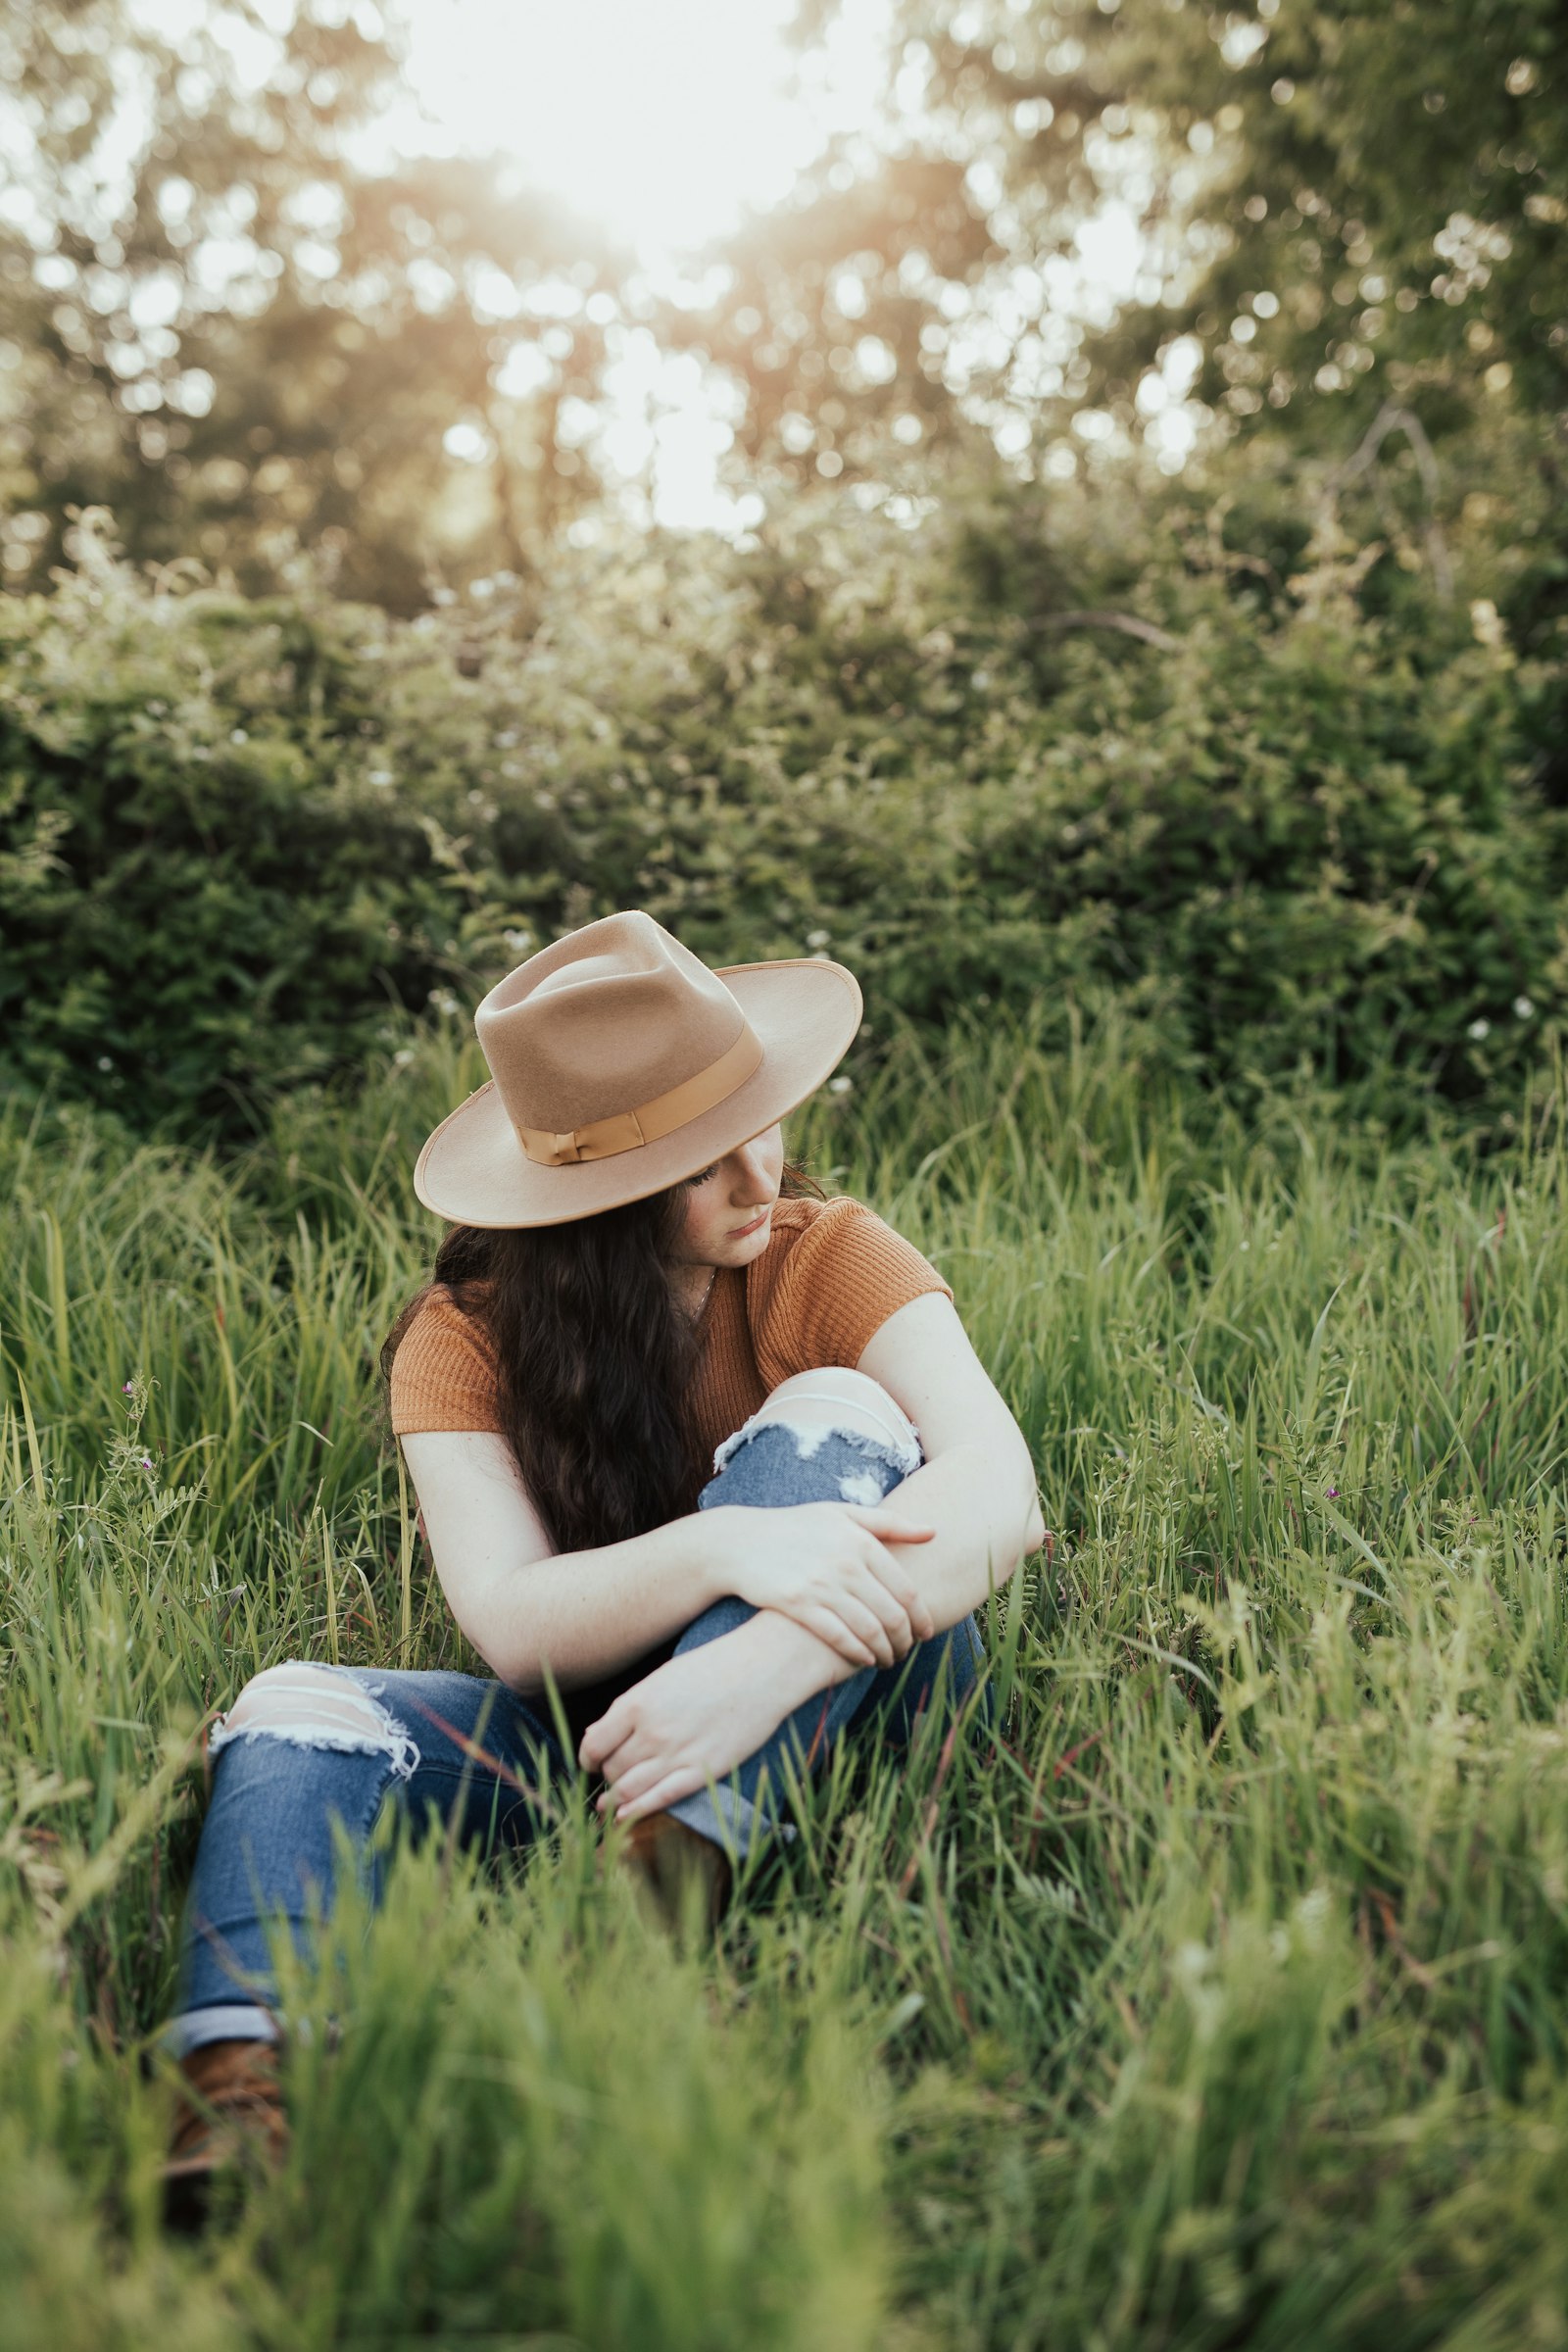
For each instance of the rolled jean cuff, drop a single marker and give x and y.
(732, 1821)
(220, 2021)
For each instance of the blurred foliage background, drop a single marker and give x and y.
(1136, 645)
(1191, 633)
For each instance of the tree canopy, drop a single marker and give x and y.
(1293, 233)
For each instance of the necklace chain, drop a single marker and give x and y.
(696, 1311)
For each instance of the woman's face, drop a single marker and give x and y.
(736, 1192)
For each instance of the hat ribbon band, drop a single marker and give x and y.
(625, 1130)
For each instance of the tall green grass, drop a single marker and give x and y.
(1220, 2000)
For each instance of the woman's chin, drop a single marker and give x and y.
(748, 1245)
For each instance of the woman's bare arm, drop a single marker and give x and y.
(588, 1612)
(977, 1485)
(699, 1715)
(585, 1613)
(520, 1603)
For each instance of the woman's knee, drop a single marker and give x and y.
(327, 1708)
(832, 1403)
(835, 1396)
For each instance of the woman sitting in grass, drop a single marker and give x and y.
(654, 1402)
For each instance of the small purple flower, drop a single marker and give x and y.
(1333, 1493)
(125, 1391)
(146, 1463)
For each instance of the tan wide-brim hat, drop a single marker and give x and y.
(620, 1064)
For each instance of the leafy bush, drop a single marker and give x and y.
(240, 843)
(201, 890)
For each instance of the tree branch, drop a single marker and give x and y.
(1391, 419)
(1127, 624)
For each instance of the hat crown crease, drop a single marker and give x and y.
(594, 1035)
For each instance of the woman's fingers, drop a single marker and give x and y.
(615, 1765)
(886, 1527)
(684, 1782)
(831, 1628)
(632, 1751)
(633, 1780)
(863, 1619)
(895, 1527)
(603, 1737)
(890, 1615)
(885, 1568)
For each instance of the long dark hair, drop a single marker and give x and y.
(595, 1356)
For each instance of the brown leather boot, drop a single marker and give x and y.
(664, 1856)
(233, 2111)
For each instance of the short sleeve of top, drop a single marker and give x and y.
(444, 1371)
(844, 1271)
(833, 1273)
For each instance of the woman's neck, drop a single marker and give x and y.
(693, 1286)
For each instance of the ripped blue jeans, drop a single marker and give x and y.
(336, 1745)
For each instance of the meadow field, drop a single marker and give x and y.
(1218, 2000)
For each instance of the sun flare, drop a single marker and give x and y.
(664, 119)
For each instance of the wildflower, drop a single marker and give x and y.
(146, 1461)
(125, 1391)
(1523, 1007)
(1333, 1493)
(1478, 1030)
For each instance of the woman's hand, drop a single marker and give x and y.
(692, 1720)
(828, 1566)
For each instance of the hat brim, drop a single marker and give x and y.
(474, 1170)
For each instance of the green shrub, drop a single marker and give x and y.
(203, 891)
(239, 844)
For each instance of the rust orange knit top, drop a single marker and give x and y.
(831, 1275)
